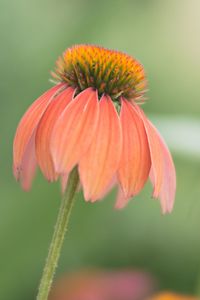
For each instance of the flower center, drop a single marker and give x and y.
(110, 72)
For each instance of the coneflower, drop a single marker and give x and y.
(91, 122)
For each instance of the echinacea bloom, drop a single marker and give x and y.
(92, 119)
(103, 285)
(172, 296)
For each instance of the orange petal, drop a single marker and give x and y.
(64, 180)
(121, 200)
(28, 166)
(74, 130)
(110, 186)
(44, 132)
(28, 124)
(135, 160)
(98, 166)
(163, 174)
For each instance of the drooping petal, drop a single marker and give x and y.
(135, 160)
(109, 187)
(64, 180)
(121, 199)
(163, 174)
(98, 166)
(44, 132)
(28, 124)
(74, 130)
(28, 166)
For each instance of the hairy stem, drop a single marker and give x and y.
(58, 236)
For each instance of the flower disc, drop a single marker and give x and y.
(110, 72)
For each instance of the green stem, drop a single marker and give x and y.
(58, 236)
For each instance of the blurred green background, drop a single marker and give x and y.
(165, 37)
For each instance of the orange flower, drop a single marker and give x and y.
(92, 119)
(172, 296)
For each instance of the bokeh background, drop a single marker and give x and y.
(165, 37)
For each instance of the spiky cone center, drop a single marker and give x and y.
(110, 72)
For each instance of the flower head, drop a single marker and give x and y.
(92, 119)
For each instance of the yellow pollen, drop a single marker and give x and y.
(110, 72)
